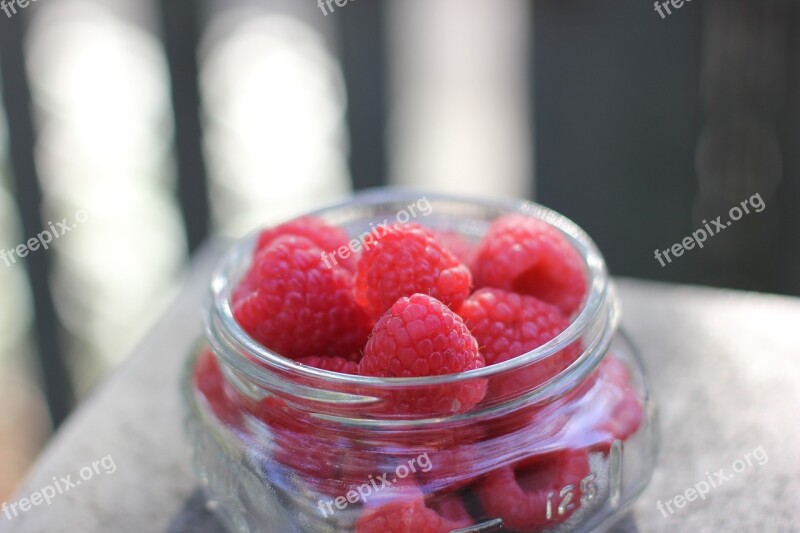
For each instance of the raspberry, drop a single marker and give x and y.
(296, 306)
(451, 510)
(507, 325)
(216, 390)
(455, 467)
(406, 260)
(329, 465)
(543, 422)
(405, 511)
(274, 412)
(526, 255)
(326, 237)
(247, 285)
(457, 244)
(420, 336)
(333, 364)
(626, 417)
(300, 449)
(627, 411)
(530, 494)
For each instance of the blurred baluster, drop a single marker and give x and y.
(22, 139)
(364, 57)
(181, 26)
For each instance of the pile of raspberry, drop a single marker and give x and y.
(415, 302)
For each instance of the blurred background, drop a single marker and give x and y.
(153, 125)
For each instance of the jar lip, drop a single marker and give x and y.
(225, 334)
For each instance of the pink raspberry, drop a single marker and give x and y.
(529, 495)
(543, 421)
(627, 412)
(294, 305)
(507, 325)
(326, 237)
(405, 510)
(529, 256)
(420, 336)
(246, 286)
(455, 467)
(333, 364)
(216, 390)
(456, 243)
(329, 465)
(406, 260)
(309, 454)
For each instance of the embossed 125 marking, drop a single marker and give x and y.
(564, 497)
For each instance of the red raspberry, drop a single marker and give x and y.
(543, 422)
(298, 307)
(326, 237)
(627, 412)
(451, 511)
(529, 256)
(404, 510)
(532, 494)
(406, 260)
(215, 389)
(507, 325)
(247, 285)
(458, 245)
(454, 467)
(626, 418)
(329, 465)
(333, 364)
(275, 412)
(420, 336)
(302, 450)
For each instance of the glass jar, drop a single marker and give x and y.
(283, 447)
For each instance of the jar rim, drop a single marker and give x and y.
(238, 349)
